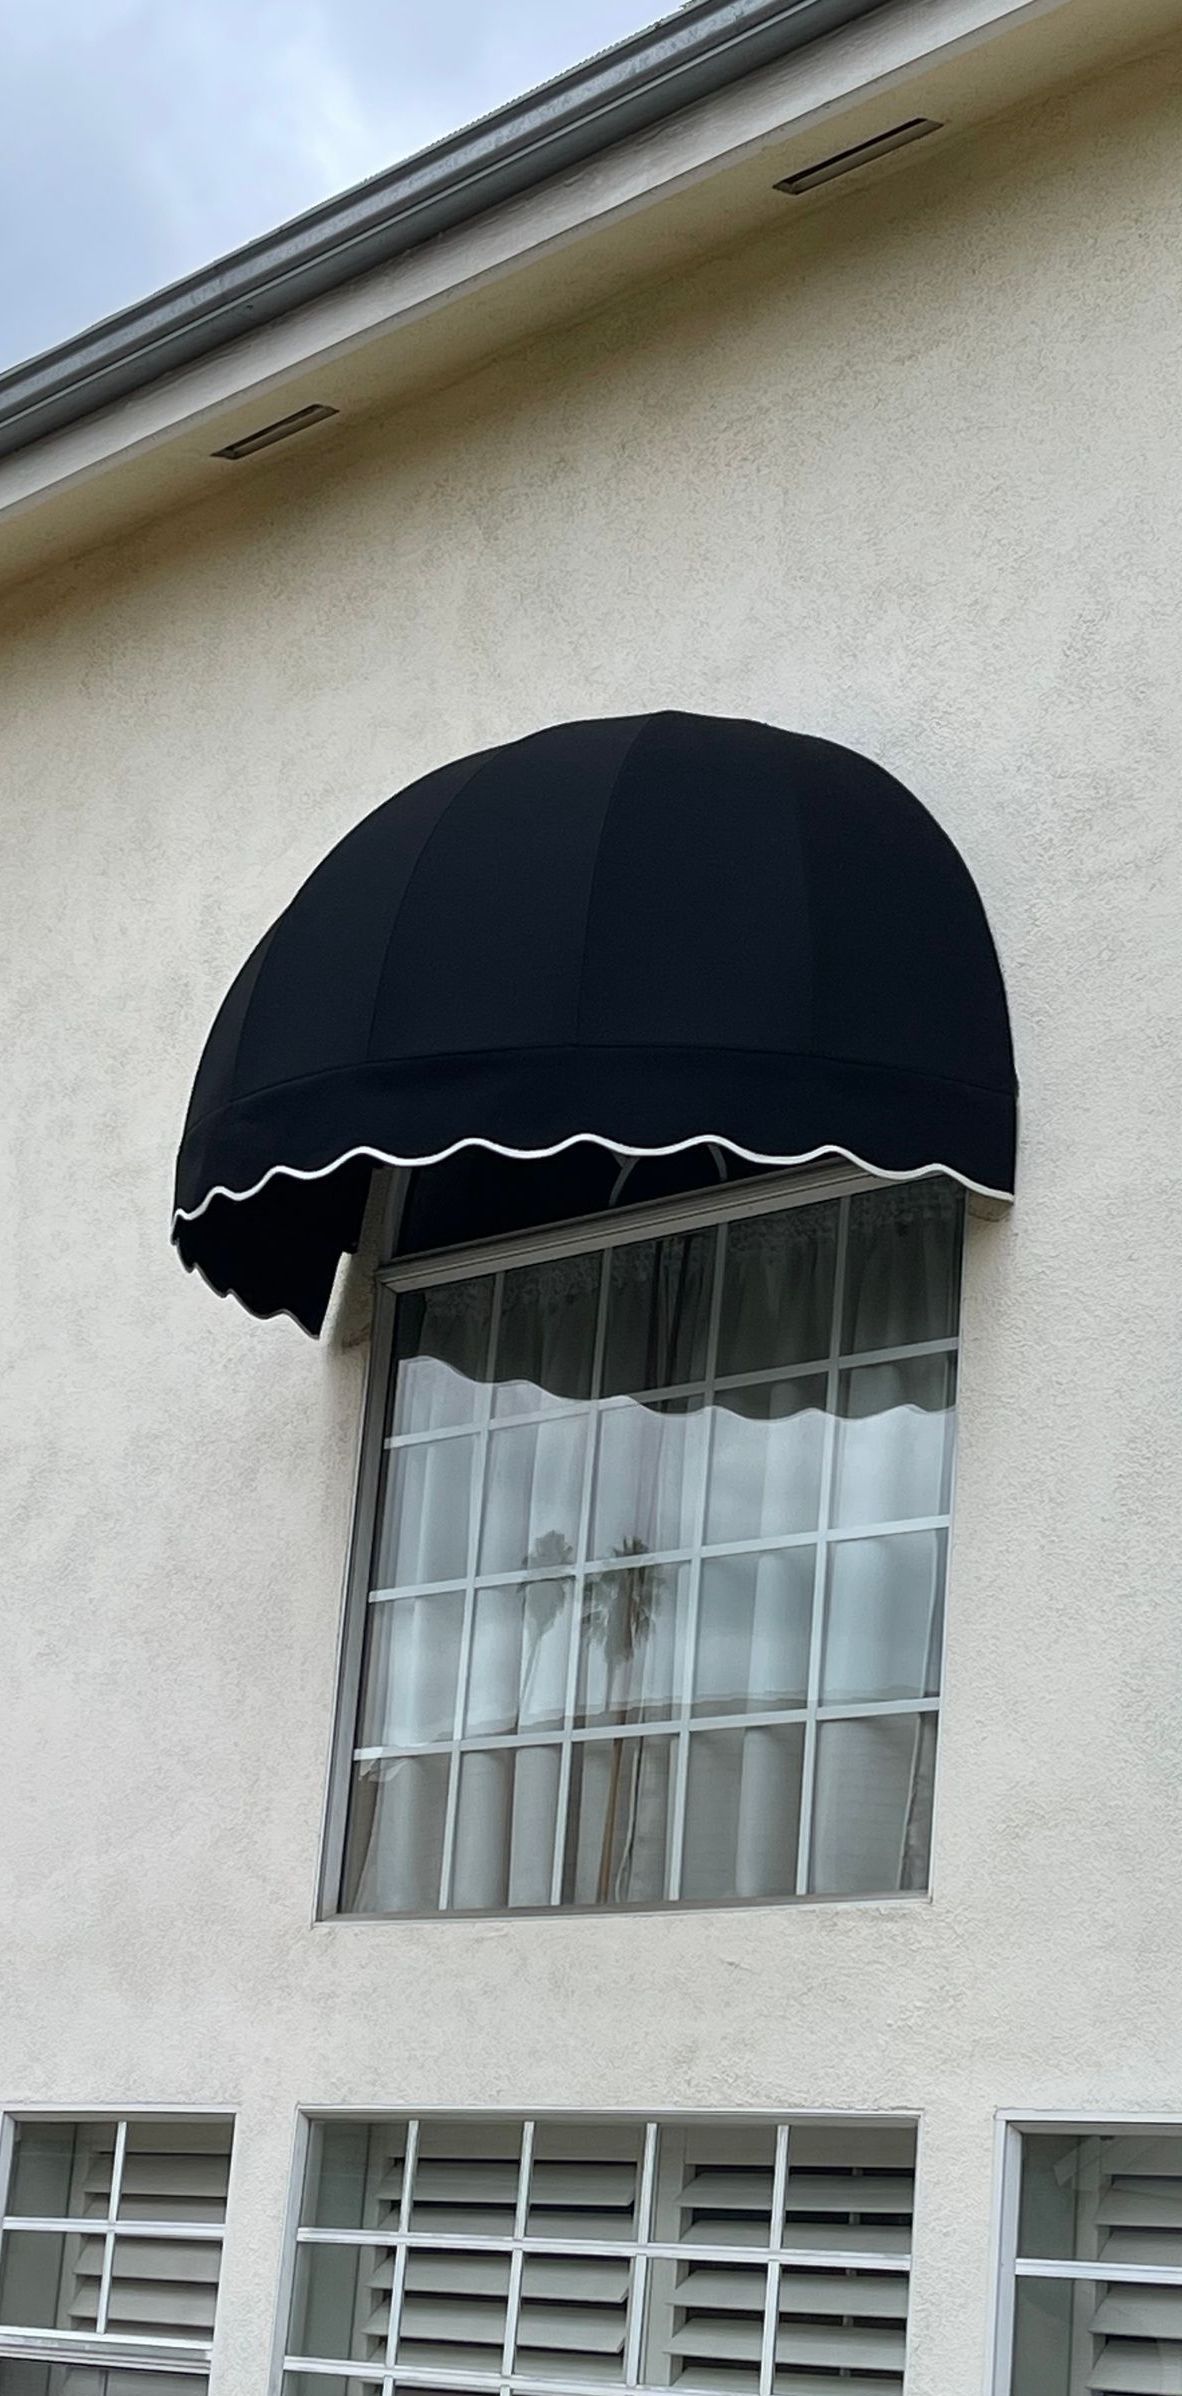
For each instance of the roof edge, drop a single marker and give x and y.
(625, 90)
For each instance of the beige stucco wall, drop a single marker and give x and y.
(913, 483)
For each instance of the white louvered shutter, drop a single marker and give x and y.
(454, 2302)
(573, 2320)
(849, 2192)
(1136, 2331)
(174, 2172)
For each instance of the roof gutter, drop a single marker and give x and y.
(626, 90)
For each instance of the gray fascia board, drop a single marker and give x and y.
(624, 91)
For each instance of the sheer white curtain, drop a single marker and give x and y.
(744, 1799)
(884, 1599)
(531, 1507)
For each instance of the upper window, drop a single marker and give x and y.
(741, 2256)
(110, 2254)
(649, 1603)
(1096, 2301)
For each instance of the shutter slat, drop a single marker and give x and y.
(580, 2330)
(583, 2185)
(147, 2304)
(1137, 2370)
(459, 2319)
(1142, 2246)
(1152, 2204)
(834, 2192)
(1129, 2312)
(852, 2146)
(577, 2278)
(442, 2274)
(814, 2383)
(842, 2349)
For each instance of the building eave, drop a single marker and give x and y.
(625, 91)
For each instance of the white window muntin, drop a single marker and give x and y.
(120, 2233)
(1015, 2267)
(600, 1235)
(777, 2259)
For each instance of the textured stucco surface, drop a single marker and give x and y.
(913, 484)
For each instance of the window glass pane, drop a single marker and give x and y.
(424, 1513)
(164, 2288)
(872, 1805)
(354, 2175)
(440, 1354)
(742, 1812)
(467, 2178)
(1102, 2199)
(412, 1658)
(341, 2306)
(394, 1843)
(617, 1842)
(883, 1618)
(585, 2181)
(765, 1460)
(647, 1478)
(1075, 2337)
(658, 1309)
(851, 2185)
(175, 2171)
(754, 1628)
(37, 2276)
(848, 2197)
(506, 1823)
(777, 1291)
(546, 1340)
(574, 2316)
(61, 2169)
(325, 2383)
(20, 2377)
(714, 2184)
(894, 1441)
(570, 1539)
(902, 1268)
(533, 1496)
(629, 1643)
(517, 1674)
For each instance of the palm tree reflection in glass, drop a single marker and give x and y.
(619, 1616)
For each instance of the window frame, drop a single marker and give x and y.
(729, 1202)
(98, 2348)
(418, 2381)
(1009, 2267)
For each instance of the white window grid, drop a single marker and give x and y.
(640, 2252)
(1015, 2266)
(189, 2356)
(683, 1720)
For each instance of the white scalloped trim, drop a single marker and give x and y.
(579, 1139)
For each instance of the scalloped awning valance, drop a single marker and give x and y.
(634, 935)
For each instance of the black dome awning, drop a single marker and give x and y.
(643, 934)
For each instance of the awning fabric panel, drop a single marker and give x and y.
(646, 932)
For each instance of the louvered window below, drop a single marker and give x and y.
(760, 2257)
(1097, 2295)
(110, 2254)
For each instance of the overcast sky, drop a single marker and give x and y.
(141, 138)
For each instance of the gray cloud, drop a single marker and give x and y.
(141, 138)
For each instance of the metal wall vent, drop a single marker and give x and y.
(846, 162)
(281, 430)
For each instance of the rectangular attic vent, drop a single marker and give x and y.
(846, 162)
(281, 430)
